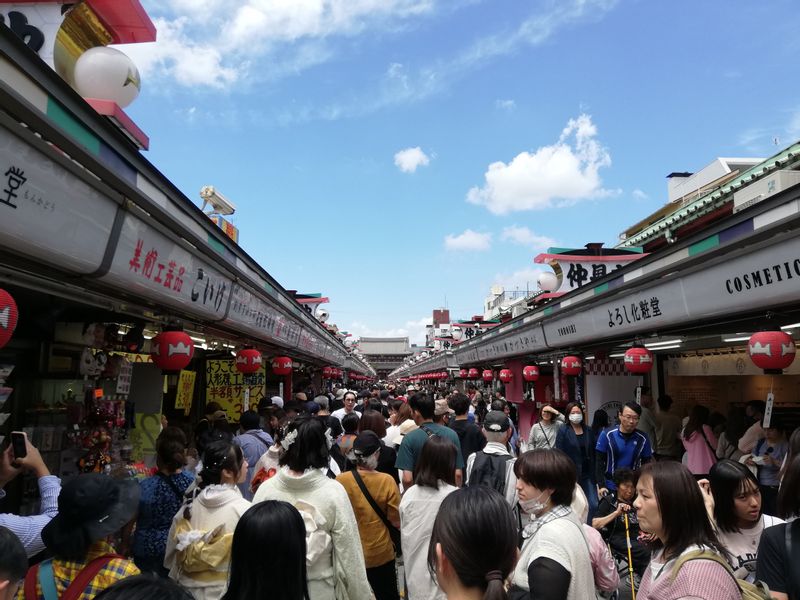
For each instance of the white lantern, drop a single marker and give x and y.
(107, 74)
(458, 333)
(322, 315)
(548, 281)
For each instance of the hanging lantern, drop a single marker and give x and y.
(638, 360)
(571, 365)
(8, 317)
(473, 373)
(530, 373)
(248, 361)
(444, 375)
(506, 375)
(772, 351)
(463, 373)
(282, 365)
(487, 375)
(172, 350)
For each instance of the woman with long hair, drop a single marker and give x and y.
(161, 497)
(199, 542)
(728, 441)
(434, 480)
(737, 513)
(544, 432)
(699, 441)
(333, 554)
(555, 561)
(775, 566)
(577, 441)
(268, 555)
(794, 450)
(473, 547)
(689, 558)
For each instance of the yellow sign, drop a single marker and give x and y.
(185, 391)
(143, 437)
(225, 385)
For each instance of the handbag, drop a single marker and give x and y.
(710, 447)
(394, 532)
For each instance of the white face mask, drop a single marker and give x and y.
(535, 506)
(576, 418)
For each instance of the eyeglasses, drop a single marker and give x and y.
(634, 418)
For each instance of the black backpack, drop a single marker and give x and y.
(489, 470)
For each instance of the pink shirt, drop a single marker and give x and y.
(699, 457)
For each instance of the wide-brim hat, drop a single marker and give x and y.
(94, 502)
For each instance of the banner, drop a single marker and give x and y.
(225, 385)
(185, 391)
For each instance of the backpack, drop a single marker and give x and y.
(750, 591)
(489, 470)
(43, 573)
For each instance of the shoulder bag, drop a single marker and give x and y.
(394, 532)
(43, 572)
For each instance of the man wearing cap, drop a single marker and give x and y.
(91, 508)
(254, 442)
(349, 400)
(422, 411)
(375, 500)
(442, 412)
(494, 466)
(29, 529)
(470, 435)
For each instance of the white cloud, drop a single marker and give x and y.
(508, 105)
(413, 329)
(639, 194)
(525, 237)
(469, 240)
(410, 159)
(563, 173)
(524, 279)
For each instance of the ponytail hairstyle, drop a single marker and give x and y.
(218, 456)
(476, 531)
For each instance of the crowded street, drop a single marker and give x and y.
(556, 377)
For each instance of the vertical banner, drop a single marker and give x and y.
(185, 392)
(225, 385)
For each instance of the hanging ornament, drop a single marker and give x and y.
(282, 365)
(487, 375)
(248, 361)
(772, 351)
(463, 373)
(638, 360)
(506, 375)
(571, 365)
(172, 350)
(530, 373)
(474, 373)
(8, 317)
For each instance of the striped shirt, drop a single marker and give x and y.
(29, 529)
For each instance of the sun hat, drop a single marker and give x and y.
(441, 408)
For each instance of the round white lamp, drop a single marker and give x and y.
(548, 281)
(107, 74)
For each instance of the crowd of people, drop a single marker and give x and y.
(431, 494)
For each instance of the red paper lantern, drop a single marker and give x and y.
(282, 365)
(530, 373)
(172, 350)
(571, 365)
(487, 375)
(248, 361)
(463, 373)
(638, 360)
(772, 351)
(444, 375)
(474, 373)
(506, 375)
(8, 317)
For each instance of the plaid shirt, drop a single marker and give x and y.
(65, 571)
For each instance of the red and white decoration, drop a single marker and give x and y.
(772, 351)
(571, 365)
(487, 375)
(530, 373)
(248, 361)
(474, 373)
(172, 350)
(638, 360)
(506, 375)
(463, 373)
(282, 365)
(8, 317)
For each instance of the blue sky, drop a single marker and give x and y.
(397, 154)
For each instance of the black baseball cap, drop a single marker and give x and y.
(496, 421)
(366, 444)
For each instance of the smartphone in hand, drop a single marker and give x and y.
(19, 444)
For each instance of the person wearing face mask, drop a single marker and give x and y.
(555, 562)
(577, 441)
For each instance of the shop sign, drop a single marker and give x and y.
(185, 392)
(225, 385)
(148, 264)
(577, 270)
(49, 214)
(527, 341)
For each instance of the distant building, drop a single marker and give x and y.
(385, 354)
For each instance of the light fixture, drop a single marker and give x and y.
(617, 355)
(590, 357)
(667, 347)
(737, 339)
(199, 340)
(654, 345)
(792, 326)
